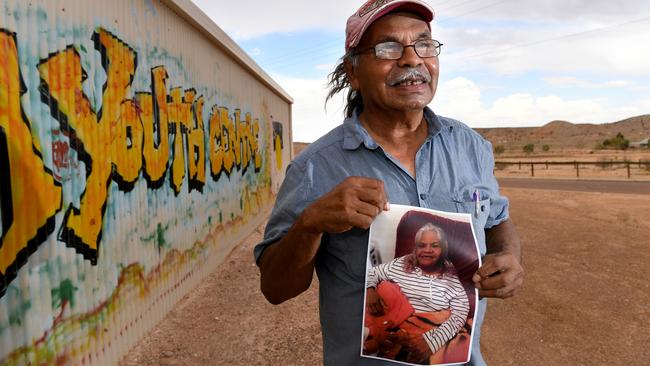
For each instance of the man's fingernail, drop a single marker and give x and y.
(387, 206)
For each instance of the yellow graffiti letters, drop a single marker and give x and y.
(228, 140)
(153, 115)
(242, 152)
(62, 77)
(257, 157)
(29, 195)
(180, 114)
(126, 152)
(215, 145)
(196, 148)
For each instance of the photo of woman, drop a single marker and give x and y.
(419, 306)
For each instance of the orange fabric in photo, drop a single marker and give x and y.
(397, 307)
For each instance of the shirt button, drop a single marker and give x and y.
(423, 196)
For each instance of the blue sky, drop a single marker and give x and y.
(504, 63)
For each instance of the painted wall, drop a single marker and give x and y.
(138, 145)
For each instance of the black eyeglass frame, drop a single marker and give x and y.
(438, 49)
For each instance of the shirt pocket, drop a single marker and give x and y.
(466, 202)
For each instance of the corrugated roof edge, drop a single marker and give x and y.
(195, 16)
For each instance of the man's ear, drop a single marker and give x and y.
(352, 77)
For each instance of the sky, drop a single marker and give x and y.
(504, 63)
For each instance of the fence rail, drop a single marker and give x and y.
(612, 164)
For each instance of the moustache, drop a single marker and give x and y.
(410, 74)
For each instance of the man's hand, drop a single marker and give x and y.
(500, 276)
(287, 266)
(374, 303)
(355, 202)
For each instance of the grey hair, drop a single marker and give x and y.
(441, 234)
(443, 265)
(338, 81)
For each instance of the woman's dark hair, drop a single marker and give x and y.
(338, 81)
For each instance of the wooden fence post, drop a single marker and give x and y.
(577, 169)
(628, 170)
(532, 169)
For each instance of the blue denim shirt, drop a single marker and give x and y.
(451, 164)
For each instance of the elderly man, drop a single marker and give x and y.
(391, 147)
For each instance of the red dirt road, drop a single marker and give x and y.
(584, 302)
(602, 186)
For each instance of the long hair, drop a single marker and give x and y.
(443, 265)
(338, 81)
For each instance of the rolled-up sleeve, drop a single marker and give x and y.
(290, 202)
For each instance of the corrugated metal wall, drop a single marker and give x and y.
(138, 145)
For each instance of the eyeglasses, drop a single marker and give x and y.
(425, 48)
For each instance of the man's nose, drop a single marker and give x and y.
(409, 57)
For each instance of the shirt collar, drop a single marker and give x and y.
(354, 134)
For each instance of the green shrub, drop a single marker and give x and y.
(529, 148)
(499, 149)
(618, 143)
(546, 148)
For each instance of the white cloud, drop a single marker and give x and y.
(572, 82)
(310, 120)
(250, 18)
(460, 98)
(562, 48)
(591, 10)
(618, 83)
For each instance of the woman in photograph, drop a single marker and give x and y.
(428, 281)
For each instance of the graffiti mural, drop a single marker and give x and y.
(125, 175)
(278, 143)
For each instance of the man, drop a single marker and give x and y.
(390, 148)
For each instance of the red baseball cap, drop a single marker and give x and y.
(375, 9)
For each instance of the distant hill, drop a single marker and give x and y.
(567, 135)
(559, 135)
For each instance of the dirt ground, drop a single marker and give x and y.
(584, 302)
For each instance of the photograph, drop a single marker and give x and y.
(420, 301)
